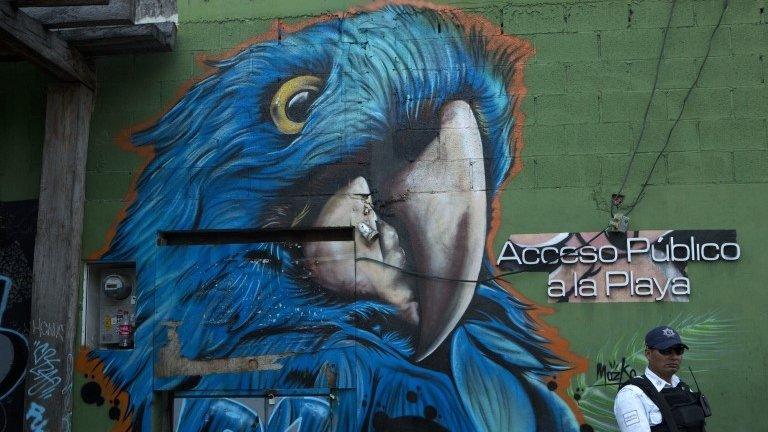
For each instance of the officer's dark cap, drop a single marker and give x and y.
(663, 337)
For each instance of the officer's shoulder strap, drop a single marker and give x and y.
(644, 384)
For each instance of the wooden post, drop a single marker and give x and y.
(56, 269)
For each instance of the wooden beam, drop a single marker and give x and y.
(159, 37)
(28, 3)
(29, 39)
(56, 267)
(117, 12)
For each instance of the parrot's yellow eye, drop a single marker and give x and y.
(290, 104)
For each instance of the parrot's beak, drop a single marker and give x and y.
(431, 214)
(442, 220)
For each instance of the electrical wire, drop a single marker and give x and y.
(650, 102)
(647, 180)
(498, 276)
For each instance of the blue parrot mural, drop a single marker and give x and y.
(402, 120)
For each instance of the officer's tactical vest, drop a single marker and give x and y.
(681, 409)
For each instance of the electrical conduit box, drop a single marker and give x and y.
(109, 305)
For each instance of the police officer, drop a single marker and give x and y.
(657, 400)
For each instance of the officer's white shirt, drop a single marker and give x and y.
(634, 411)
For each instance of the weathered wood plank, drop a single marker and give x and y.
(159, 37)
(117, 12)
(29, 39)
(56, 267)
(28, 3)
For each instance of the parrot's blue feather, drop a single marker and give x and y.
(505, 404)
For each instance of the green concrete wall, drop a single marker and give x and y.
(21, 130)
(587, 88)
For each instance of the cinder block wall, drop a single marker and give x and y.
(591, 78)
(588, 85)
(22, 109)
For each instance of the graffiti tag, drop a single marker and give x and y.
(45, 373)
(615, 373)
(48, 329)
(37, 422)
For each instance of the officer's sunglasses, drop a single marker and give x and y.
(668, 351)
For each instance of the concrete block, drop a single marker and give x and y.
(99, 214)
(630, 44)
(269, 9)
(107, 185)
(684, 167)
(751, 166)
(696, 167)
(617, 106)
(686, 42)
(606, 15)
(750, 101)
(684, 137)
(20, 171)
(234, 33)
(567, 171)
(545, 77)
(178, 65)
(565, 47)
(736, 134)
(105, 124)
(732, 71)
(547, 18)
(673, 74)
(194, 36)
(602, 75)
(200, 10)
(655, 14)
(702, 103)
(707, 12)
(26, 101)
(614, 168)
(597, 138)
(136, 94)
(567, 108)
(542, 140)
(94, 162)
(112, 157)
(528, 107)
(717, 166)
(526, 178)
(170, 90)
(116, 68)
(749, 39)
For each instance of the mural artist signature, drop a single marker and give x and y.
(614, 373)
